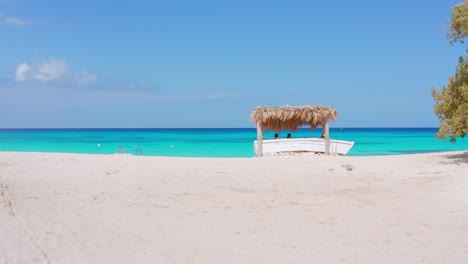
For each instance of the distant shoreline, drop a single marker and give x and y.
(253, 157)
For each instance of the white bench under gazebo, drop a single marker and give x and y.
(291, 118)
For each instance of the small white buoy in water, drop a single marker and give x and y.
(99, 145)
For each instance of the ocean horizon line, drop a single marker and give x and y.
(201, 128)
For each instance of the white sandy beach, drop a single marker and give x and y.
(69, 208)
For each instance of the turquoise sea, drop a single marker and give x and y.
(215, 142)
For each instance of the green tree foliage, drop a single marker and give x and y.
(459, 23)
(452, 102)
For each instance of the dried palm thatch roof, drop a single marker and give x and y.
(291, 117)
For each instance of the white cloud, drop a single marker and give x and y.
(85, 78)
(53, 70)
(14, 21)
(21, 71)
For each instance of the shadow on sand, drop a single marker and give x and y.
(457, 158)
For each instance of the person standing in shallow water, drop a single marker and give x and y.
(276, 136)
(289, 135)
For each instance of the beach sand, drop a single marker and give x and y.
(70, 208)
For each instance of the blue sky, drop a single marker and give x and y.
(209, 63)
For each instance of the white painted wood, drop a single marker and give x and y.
(271, 146)
(259, 149)
(326, 134)
(326, 130)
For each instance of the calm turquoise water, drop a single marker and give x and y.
(230, 142)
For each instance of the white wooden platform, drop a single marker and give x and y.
(318, 145)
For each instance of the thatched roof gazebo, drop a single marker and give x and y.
(291, 118)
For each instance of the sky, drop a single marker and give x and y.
(158, 64)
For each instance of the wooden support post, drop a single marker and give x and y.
(259, 139)
(326, 134)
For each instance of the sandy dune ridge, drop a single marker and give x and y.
(70, 208)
